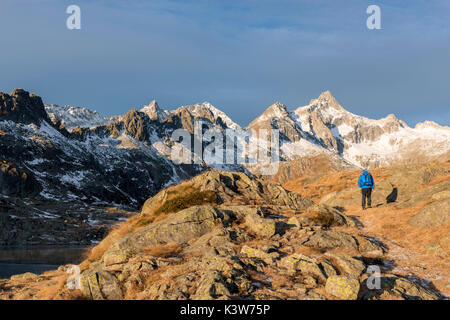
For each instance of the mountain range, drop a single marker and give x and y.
(74, 155)
(86, 153)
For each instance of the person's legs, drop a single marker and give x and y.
(369, 197)
(363, 194)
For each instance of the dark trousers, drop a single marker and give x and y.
(366, 194)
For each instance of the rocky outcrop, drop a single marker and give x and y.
(179, 227)
(398, 288)
(306, 265)
(231, 186)
(21, 106)
(99, 284)
(260, 226)
(346, 264)
(331, 239)
(236, 251)
(258, 243)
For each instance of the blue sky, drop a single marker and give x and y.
(239, 55)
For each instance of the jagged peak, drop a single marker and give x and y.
(22, 106)
(198, 109)
(276, 109)
(154, 111)
(326, 99)
(153, 104)
(326, 95)
(278, 105)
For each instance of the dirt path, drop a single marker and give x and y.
(414, 252)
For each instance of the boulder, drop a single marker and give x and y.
(401, 289)
(334, 216)
(229, 184)
(343, 287)
(371, 248)
(211, 286)
(178, 227)
(260, 226)
(256, 253)
(408, 289)
(322, 239)
(232, 185)
(282, 197)
(98, 284)
(327, 268)
(154, 202)
(346, 264)
(114, 259)
(299, 222)
(306, 265)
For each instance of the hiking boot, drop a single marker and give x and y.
(364, 208)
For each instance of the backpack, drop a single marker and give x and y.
(367, 181)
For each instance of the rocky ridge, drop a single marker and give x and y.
(244, 239)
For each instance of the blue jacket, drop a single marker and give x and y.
(366, 182)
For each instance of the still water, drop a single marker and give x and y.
(37, 259)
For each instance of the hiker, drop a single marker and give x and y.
(367, 185)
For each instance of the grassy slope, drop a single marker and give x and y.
(421, 252)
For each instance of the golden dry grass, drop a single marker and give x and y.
(316, 187)
(278, 281)
(164, 250)
(51, 286)
(408, 244)
(133, 224)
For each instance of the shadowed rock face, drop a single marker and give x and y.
(21, 106)
(16, 182)
(49, 167)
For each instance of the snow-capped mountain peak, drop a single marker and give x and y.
(207, 110)
(274, 111)
(72, 117)
(322, 127)
(154, 111)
